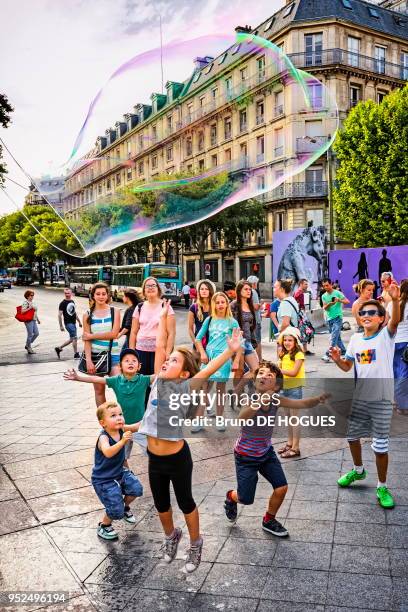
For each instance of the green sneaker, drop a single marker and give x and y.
(385, 498)
(350, 477)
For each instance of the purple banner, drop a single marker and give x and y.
(349, 266)
(300, 253)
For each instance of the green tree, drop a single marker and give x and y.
(5, 110)
(371, 196)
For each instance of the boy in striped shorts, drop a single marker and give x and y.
(372, 354)
(254, 453)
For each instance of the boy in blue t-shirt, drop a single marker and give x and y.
(115, 485)
(130, 390)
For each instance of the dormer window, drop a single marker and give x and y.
(269, 24)
(288, 10)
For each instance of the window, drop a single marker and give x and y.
(404, 65)
(355, 95)
(154, 162)
(169, 153)
(215, 243)
(154, 133)
(236, 49)
(252, 265)
(380, 59)
(189, 113)
(100, 189)
(201, 164)
(228, 88)
(313, 49)
(353, 48)
(202, 102)
(278, 103)
(214, 93)
(169, 121)
(213, 269)
(243, 152)
(314, 180)
(260, 64)
(288, 10)
(196, 77)
(347, 4)
(373, 12)
(118, 178)
(278, 175)
(261, 235)
(222, 58)
(269, 24)
(278, 142)
(227, 155)
(260, 149)
(213, 134)
(214, 161)
(244, 74)
(243, 120)
(315, 217)
(190, 270)
(190, 168)
(189, 146)
(260, 184)
(208, 69)
(141, 167)
(279, 222)
(108, 184)
(314, 129)
(129, 148)
(260, 113)
(227, 128)
(129, 174)
(200, 141)
(141, 141)
(316, 94)
(380, 96)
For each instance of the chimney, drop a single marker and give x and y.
(243, 29)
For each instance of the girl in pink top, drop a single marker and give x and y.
(145, 325)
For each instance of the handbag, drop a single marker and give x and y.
(102, 360)
(306, 329)
(26, 316)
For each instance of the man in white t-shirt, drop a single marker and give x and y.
(186, 294)
(372, 355)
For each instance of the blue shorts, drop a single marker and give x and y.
(248, 348)
(72, 330)
(247, 469)
(111, 493)
(294, 393)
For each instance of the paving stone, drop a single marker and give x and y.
(74, 604)
(361, 513)
(363, 591)
(397, 516)
(248, 552)
(85, 539)
(288, 606)
(45, 465)
(119, 569)
(361, 494)
(305, 556)
(399, 562)
(360, 560)
(56, 482)
(309, 510)
(397, 536)
(309, 530)
(163, 601)
(320, 464)
(259, 507)
(59, 505)
(296, 585)
(15, 515)
(109, 599)
(7, 488)
(319, 478)
(212, 524)
(84, 564)
(358, 534)
(235, 580)
(204, 603)
(211, 548)
(316, 493)
(399, 594)
(172, 578)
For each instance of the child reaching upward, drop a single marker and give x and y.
(292, 364)
(254, 452)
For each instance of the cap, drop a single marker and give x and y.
(205, 280)
(291, 331)
(129, 351)
(253, 279)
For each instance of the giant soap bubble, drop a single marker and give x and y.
(245, 121)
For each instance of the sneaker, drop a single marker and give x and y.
(273, 526)
(193, 557)
(385, 498)
(221, 428)
(326, 359)
(231, 509)
(107, 532)
(171, 544)
(77, 356)
(128, 516)
(350, 477)
(58, 350)
(30, 351)
(309, 353)
(196, 428)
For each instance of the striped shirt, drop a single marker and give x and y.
(100, 326)
(255, 440)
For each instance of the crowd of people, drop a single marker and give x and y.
(226, 343)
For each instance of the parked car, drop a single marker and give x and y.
(5, 283)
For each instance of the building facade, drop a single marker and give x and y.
(358, 51)
(51, 188)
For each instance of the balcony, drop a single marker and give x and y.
(297, 190)
(310, 144)
(347, 58)
(278, 110)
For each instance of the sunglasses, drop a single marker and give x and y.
(151, 286)
(368, 313)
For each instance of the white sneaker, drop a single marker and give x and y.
(197, 428)
(193, 557)
(220, 427)
(326, 359)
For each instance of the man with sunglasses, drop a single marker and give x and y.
(372, 355)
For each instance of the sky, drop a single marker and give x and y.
(57, 54)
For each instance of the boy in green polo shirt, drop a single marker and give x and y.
(333, 301)
(130, 390)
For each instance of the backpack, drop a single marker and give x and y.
(306, 329)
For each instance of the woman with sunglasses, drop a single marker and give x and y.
(145, 326)
(31, 326)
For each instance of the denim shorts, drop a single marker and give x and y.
(294, 393)
(111, 493)
(71, 329)
(248, 348)
(247, 469)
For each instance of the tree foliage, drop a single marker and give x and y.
(371, 197)
(5, 110)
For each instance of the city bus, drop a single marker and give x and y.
(119, 278)
(21, 276)
(169, 277)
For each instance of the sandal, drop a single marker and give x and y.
(288, 454)
(284, 449)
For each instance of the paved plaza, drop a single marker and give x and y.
(344, 551)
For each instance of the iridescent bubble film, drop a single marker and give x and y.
(154, 156)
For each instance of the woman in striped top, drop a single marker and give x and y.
(99, 331)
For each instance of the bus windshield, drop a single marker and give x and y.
(164, 271)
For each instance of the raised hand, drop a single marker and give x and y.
(70, 375)
(165, 309)
(335, 353)
(393, 291)
(234, 343)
